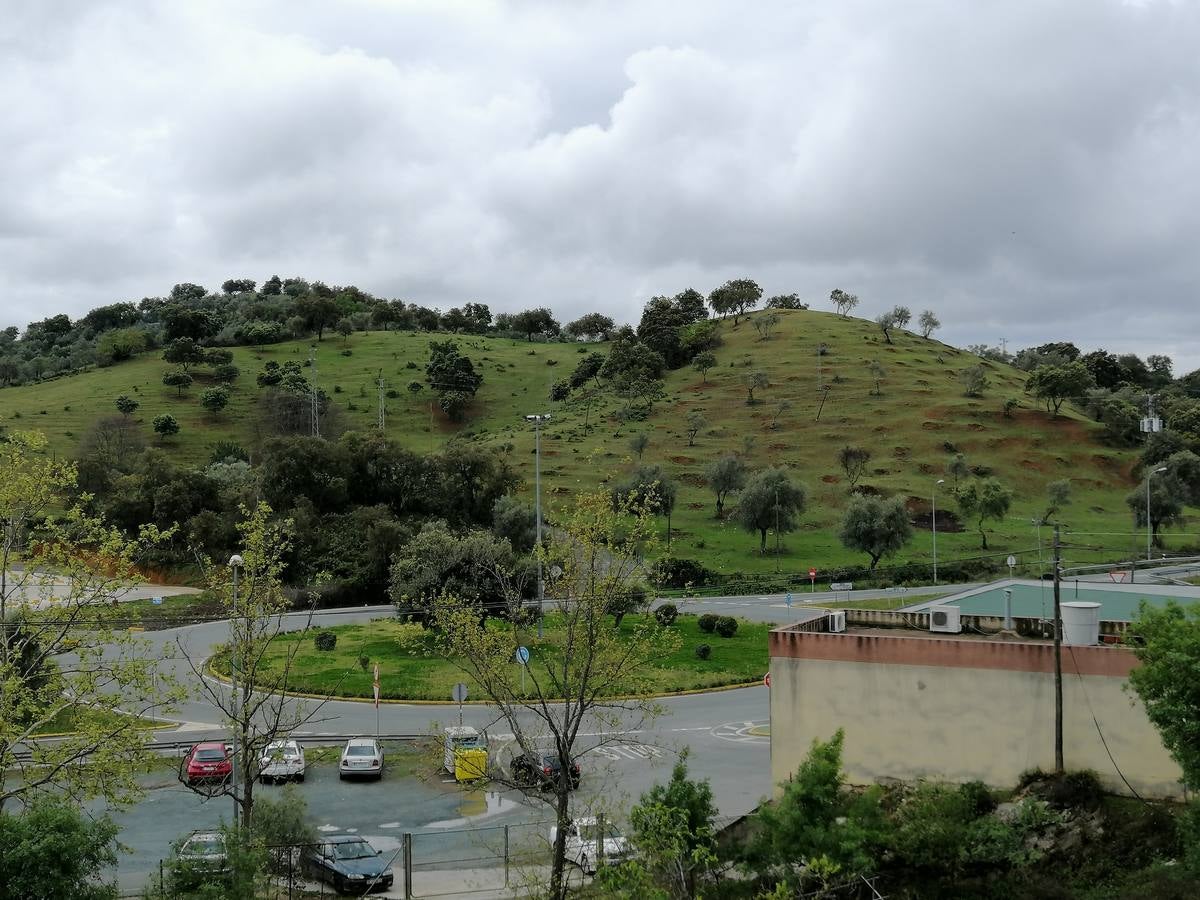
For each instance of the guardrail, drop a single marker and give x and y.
(167, 748)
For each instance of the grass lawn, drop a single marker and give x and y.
(409, 670)
(176, 610)
(70, 720)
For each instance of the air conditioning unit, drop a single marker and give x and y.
(837, 620)
(946, 619)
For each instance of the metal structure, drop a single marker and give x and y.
(314, 403)
(537, 420)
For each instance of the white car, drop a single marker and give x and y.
(282, 761)
(582, 844)
(361, 756)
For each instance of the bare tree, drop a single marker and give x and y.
(780, 408)
(254, 702)
(568, 703)
(638, 443)
(765, 324)
(877, 375)
(754, 381)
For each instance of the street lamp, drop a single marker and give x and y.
(537, 421)
(235, 563)
(933, 526)
(1149, 531)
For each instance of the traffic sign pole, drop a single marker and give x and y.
(812, 581)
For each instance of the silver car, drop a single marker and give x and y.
(362, 756)
(282, 761)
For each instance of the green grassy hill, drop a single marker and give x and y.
(912, 429)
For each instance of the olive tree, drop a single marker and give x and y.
(982, 500)
(875, 526)
(770, 500)
(726, 475)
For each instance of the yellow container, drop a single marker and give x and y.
(470, 764)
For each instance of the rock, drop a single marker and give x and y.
(1007, 812)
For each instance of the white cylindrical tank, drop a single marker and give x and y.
(1081, 623)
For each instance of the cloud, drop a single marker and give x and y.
(1025, 169)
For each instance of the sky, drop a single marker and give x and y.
(1027, 169)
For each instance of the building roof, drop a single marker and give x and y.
(1033, 599)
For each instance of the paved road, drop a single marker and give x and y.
(774, 607)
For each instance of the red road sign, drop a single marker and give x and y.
(767, 679)
(812, 573)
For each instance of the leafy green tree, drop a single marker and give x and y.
(649, 489)
(638, 443)
(1058, 497)
(308, 467)
(599, 552)
(817, 833)
(983, 500)
(318, 313)
(928, 323)
(1166, 504)
(770, 500)
(843, 302)
(120, 344)
(535, 321)
(703, 362)
(53, 849)
(630, 360)
(226, 373)
(592, 325)
(735, 297)
(449, 370)
(695, 424)
(1168, 679)
(514, 520)
(184, 352)
(111, 680)
(674, 828)
(765, 325)
(974, 381)
(876, 527)
(588, 368)
(1054, 385)
(786, 301)
(660, 330)
(477, 568)
(166, 425)
(726, 475)
(690, 303)
(215, 399)
(887, 322)
(344, 327)
(181, 381)
(126, 405)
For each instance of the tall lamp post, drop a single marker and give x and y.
(537, 421)
(235, 563)
(933, 526)
(1149, 530)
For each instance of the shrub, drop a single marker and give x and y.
(703, 651)
(667, 614)
(707, 623)
(347, 352)
(726, 626)
(325, 641)
(679, 573)
(978, 796)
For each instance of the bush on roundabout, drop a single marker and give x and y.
(707, 622)
(703, 651)
(726, 626)
(325, 641)
(667, 614)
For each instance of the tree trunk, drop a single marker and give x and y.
(558, 858)
(983, 536)
(762, 547)
(720, 505)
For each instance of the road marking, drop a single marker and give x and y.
(741, 732)
(624, 751)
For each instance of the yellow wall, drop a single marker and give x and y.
(961, 724)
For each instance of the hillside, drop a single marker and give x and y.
(912, 429)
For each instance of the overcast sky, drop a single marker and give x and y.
(1028, 170)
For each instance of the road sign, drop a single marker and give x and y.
(812, 573)
(767, 679)
(459, 693)
(157, 601)
(523, 655)
(1012, 561)
(842, 586)
(788, 599)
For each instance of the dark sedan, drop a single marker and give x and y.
(349, 864)
(542, 770)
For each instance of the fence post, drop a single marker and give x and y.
(408, 888)
(162, 883)
(600, 839)
(506, 856)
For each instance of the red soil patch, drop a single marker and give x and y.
(1030, 464)
(695, 506)
(933, 426)
(693, 479)
(682, 460)
(830, 479)
(975, 426)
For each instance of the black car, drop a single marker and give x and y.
(542, 770)
(349, 864)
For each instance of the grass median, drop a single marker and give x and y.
(411, 669)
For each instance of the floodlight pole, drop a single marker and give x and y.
(235, 563)
(1150, 473)
(1059, 767)
(537, 421)
(933, 526)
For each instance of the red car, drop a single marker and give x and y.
(209, 761)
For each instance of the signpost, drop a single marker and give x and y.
(458, 695)
(157, 601)
(788, 599)
(523, 661)
(375, 691)
(767, 679)
(812, 580)
(1012, 562)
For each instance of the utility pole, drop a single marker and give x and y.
(235, 563)
(776, 531)
(537, 421)
(382, 408)
(1058, 693)
(933, 525)
(314, 406)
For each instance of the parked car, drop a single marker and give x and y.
(541, 770)
(349, 864)
(582, 844)
(361, 756)
(201, 858)
(282, 761)
(206, 762)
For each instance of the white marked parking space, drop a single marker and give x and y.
(742, 732)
